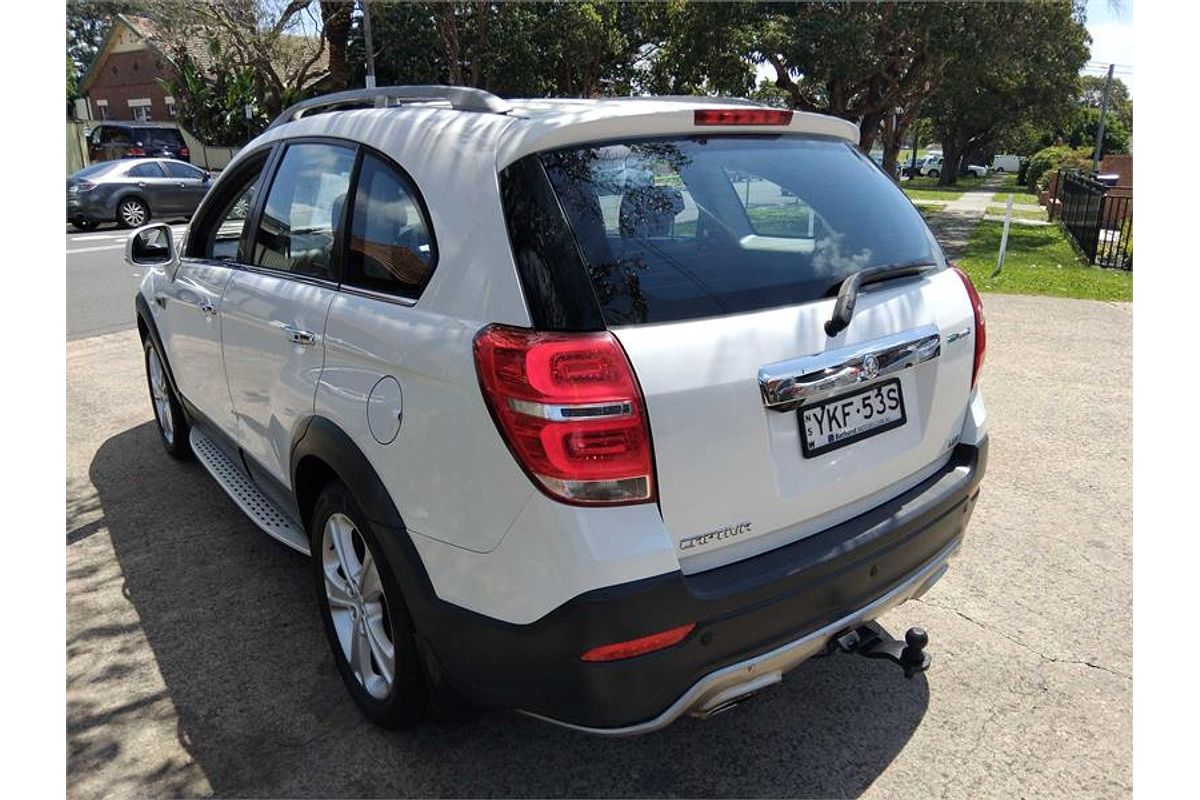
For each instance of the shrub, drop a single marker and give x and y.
(1051, 159)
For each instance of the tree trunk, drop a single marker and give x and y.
(893, 140)
(868, 131)
(952, 150)
(336, 19)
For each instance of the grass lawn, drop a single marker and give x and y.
(947, 194)
(928, 211)
(1040, 260)
(1017, 213)
(1021, 194)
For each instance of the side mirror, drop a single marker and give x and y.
(207, 177)
(150, 246)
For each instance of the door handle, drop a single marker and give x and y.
(298, 336)
(208, 308)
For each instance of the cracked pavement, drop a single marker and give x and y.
(196, 665)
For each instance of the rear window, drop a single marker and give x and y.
(159, 137)
(689, 227)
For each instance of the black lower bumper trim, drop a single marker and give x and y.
(740, 610)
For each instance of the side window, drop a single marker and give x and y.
(219, 230)
(145, 169)
(771, 209)
(390, 249)
(298, 228)
(177, 170)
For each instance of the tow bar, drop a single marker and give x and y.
(872, 641)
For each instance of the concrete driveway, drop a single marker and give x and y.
(196, 664)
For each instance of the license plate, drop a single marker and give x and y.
(850, 418)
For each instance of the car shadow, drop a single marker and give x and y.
(231, 618)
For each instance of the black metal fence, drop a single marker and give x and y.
(1098, 217)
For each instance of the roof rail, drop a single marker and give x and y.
(462, 98)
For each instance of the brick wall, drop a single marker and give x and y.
(1120, 165)
(129, 76)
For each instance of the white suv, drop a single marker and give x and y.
(604, 410)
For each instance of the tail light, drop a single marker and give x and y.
(184, 152)
(742, 116)
(136, 151)
(637, 647)
(571, 412)
(980, 324)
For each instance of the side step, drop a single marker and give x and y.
(238, 485)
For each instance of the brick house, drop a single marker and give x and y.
(123, 81)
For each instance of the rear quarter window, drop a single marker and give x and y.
(688, 227)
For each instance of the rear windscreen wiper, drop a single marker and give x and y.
(847, 295)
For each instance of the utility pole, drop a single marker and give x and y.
(1103, 113)
(366, 9)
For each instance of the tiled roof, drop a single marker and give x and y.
(294, 50)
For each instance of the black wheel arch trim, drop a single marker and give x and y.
(146, 317)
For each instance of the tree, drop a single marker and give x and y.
(1017, 62)
(1120, 104)
(335, 19)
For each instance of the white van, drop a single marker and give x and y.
(1006, 164)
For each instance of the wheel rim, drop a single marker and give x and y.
(357, 606)
(160, 392)
(133, 213)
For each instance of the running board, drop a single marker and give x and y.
(238, 485)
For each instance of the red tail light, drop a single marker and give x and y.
(980, 324)
(136, 151)
(637, 647)
(183, 151)
(571, 411)
(742, 116)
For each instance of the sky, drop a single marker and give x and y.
(1112, 38)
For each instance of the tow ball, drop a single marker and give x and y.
(872, 641)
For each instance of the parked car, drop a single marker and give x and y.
(932, 167)
(132, 191)
(605, 454)
(1006, 163)
(113, 140)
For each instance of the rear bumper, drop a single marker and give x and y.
(755, 619)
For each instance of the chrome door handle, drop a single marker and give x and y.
(299, 336)
(208, 308)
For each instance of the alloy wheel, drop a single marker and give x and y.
(357, 605)
(160, 392)
(133, 213)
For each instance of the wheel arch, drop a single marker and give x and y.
(148, 329)
(133, 194)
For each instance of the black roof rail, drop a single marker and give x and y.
(461, 98)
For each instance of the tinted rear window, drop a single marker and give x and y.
(159, 137)
(689, 227)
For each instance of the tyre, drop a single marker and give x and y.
(999, 169)
(82, 224)
(168, 413)
(933, 173)
(366, 620)
(132, 212)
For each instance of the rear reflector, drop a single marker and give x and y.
(570, 410)
(980, 324)
(742, 116)
(637, 647)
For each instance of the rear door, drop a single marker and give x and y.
(154, 187)
(718, 275)
(191, 184)
(274, 311)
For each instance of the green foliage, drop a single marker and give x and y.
(1046, 162)
(1039, 260)
(1011, 63)
(211, 103)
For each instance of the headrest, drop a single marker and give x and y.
(649, 210)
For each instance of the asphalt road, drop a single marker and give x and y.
(100, 285)
(196, 664)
